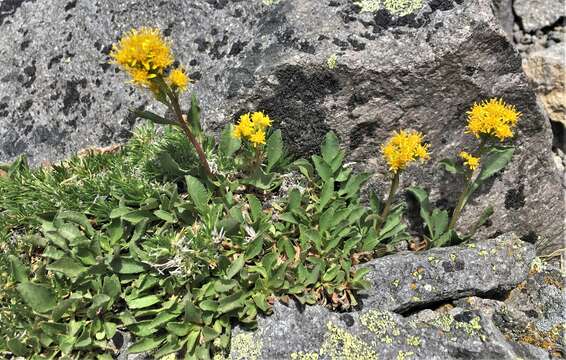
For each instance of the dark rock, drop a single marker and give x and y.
(406, 281)
(466, 331)
(415, 64)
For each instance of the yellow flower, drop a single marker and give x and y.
(470, 161)
(492, 118)
(260, 120)
(142, 49)
(179, 79)
(245, 128)
(258, 138)
(403, 148)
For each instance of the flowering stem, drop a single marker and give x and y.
(461, 203)
(387, 208)
(185, 127)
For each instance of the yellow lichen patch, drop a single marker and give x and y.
(341, 345)
(245, 347)
(402, 7)
(404, 355)
(304, 356)
(414, 341)
(332, 61)
(379, 323)
(544, 339)
(368, 5)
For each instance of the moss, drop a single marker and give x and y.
(341, 345)
(380, 323)
(402, 7)
(245, 347)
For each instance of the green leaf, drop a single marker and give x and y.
(304, 167)
(235, 267)
(229, 144)
(79, 219)
(153, 117)
(375, 202)
(193, 314)
(68, 267)
(439, 222)
(165, 216)
(452, 167)
(143, 302)
(123, 265)
(229, 303)
(208, 305)
(288, 217)
(179, 328)
(254, 248)
(18, 269)
(274, 149)
(111, 286)
(330, 147)
(137, 216)
(119, 212)
(326, 219)
(17, 347)
(209, 333)
(146, 344)
(40, 298)
(324, 171)
(198, 193)
(294, 199)
(425, 211)
(326, 194)
(255, 207)
(194, 116)
(495, 160)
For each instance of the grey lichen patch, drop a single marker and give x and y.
(341, 345)
(380, 323)
(246, 347)
(402, 7)
(368, 5)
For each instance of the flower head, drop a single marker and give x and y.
(403, 148)
(179, 79)
(252, 127)
(492, 118)
(143, 53)
(258, 138)
(470, 161)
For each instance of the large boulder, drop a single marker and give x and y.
(538, 14)
(362, 69)
(427, 330)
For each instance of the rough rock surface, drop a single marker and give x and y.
(405, 281)
(411, 64)
(472, 329)
(536, 14)
(546, 70)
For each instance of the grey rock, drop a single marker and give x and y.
(537, 14)
(504, 11)
(378, 331)
(421, 70)
(406, 281)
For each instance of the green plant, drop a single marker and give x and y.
(491, 122)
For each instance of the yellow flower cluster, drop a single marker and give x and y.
(144, 55)
(470, 161)
(179, 79)
(252, 127)
(492, 118)
(403, 148)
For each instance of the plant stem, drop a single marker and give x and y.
(185, 127)
(387, 208)
(460, 205)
